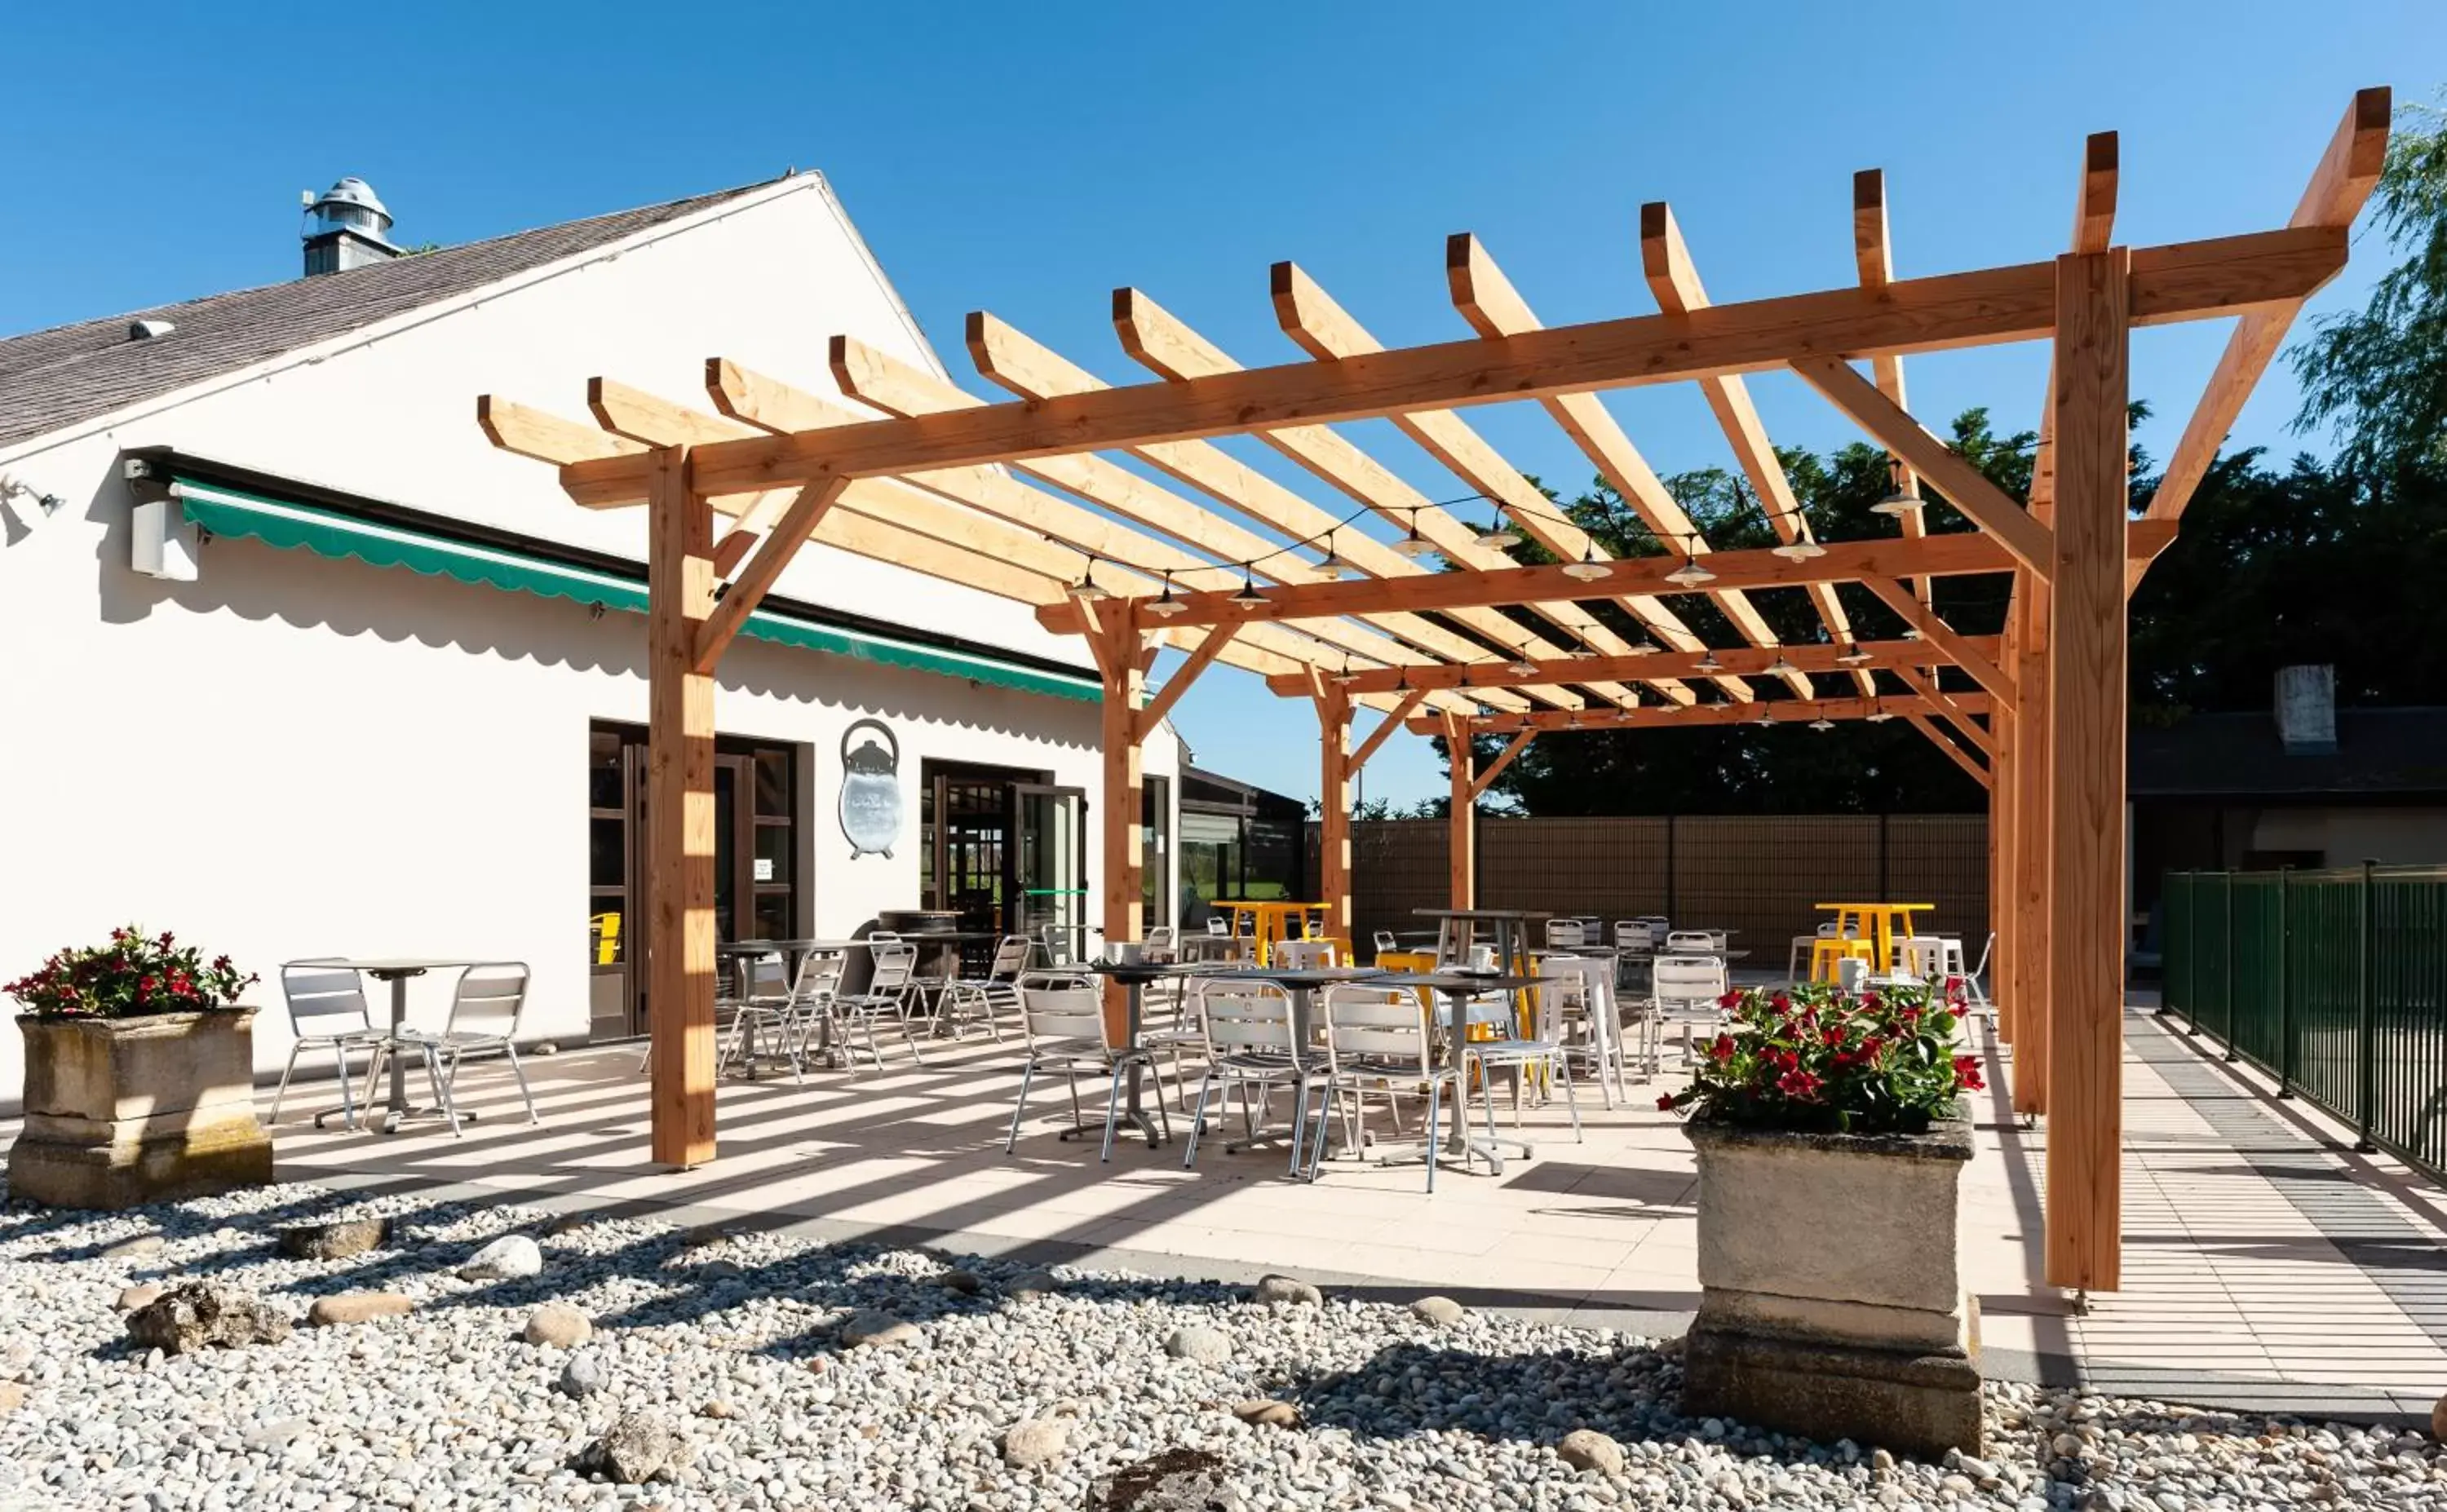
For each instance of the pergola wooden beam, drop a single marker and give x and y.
(1385, 729)
(1751, 660)
(2346, 174)
(1009, 358)
(1512, 752)
(1327, 331)
(1165, 343)
(1777, 711)
(1962, 758)
(1945, 636)
(2182, 281)
(1954, 713)
(1874, 256)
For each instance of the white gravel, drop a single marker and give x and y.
(735, 1345)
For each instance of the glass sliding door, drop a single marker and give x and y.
(1052, 868)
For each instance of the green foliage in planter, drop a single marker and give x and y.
(136, 974)
(1816, 1060)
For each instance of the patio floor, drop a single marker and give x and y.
(2266, 1265)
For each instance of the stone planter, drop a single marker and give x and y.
(120, 1113)
(1832, 1302)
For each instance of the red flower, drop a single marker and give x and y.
(1723, 1048)
(1730, 1001)
(1870, 1047)
(1783, 1002)
(1833, 1035)
(1665, 1104)
(1782, 1057)
(1797, 1084)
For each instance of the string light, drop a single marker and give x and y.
(1588, 569)
(1781, 667)
(1691, 574)
(1345, 677)
(1766, 717)
(1499, 537)
(1852, 655)
(1822, 723)
(1166, 605)
(1087, 590)
(1801, 548)
(1900, 498)
(1334, 563)
(1710, 664)
(1248, 597)
(1524, 668)
(1878, 715)
(1414, 545)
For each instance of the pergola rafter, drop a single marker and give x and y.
(921, 487)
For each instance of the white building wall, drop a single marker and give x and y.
(292, 756)
(2348, 837)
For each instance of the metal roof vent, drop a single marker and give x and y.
(348, 226)
(147, 330)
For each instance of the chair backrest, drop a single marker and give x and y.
(1985, 948)
(1924, 955)
(1690, 939)
(1852, 974)
(324, 999)
(820, 974)
(1565, 933)
(1382, 1024)
(1217, 924)
(1243, 1014)
(1056, 943)
(1684, 979)
(1570, 975)
(1632, 935)
(1010, 959)
(1304, 954)
(1160, 943)
(896, 961)
(1062, 1010)
(1830, 931)
(1382, 940)
(490, 997)
(764, 977)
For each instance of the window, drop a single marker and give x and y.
(1155, 851)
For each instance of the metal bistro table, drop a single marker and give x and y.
(1134, 976)
(396, 971)
(1457, 988)
(1302, 985)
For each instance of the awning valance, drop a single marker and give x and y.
(227, 511)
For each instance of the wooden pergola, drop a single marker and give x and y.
(1231, 567)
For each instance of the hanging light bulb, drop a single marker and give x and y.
(1334, 564)
(1588, 569)
(1800, 548)
(1691, 574)
(1911, 634)
(1166, 606)
(1499, 537)
(1822, 723)
(1852, 655)
(1781, 667)
(1523, 668)
(1766, 717)
(1645, 647)
(1900, 498)
(1087, 590)
(1345, 677)
(1415, 545)
(1574, 720)
(1710, 664)
(1878, 715)
(1248, 597)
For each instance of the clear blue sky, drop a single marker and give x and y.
(1027, 159)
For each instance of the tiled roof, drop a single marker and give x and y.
(52, 379)
(2380, 752)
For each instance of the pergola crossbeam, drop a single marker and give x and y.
(1779, 712)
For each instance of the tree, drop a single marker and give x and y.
(2377, 379)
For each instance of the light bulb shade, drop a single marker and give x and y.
(1087, 590)
(1781, 667)
(1499, 538)
(1799, 550)
(1853, 656)
(1822, 723)
(1880, 717)
(1524, 668)
(1766, 718)
(1690, 575)
(1333, 564)
(1249, 593)
(1710, 664)
(1415, 546)
(1166, 607)
(1898, 503)
(1586, 572)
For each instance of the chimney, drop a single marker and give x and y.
(347, 228)
(2306, 711)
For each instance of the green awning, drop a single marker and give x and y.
(227, 511)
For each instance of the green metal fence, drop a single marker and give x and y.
(2333, 982)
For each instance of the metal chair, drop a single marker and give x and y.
(1162, 944)
(888, 996)
(812, 991)
(1063, 1015)
(1539, 1054)
(766, 1003)
(1691, 942)
(484, 1011)
(978, 999)
(327, 1010)
(1686, 991)
(1585, 990)
(1375, 1039)
(1564, 934)
(1924, 957)
(1379, 942)
(1304, 954)
(1251, 1043)
(1981, 1006)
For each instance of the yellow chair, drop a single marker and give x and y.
(606, 928)
(1829, 949)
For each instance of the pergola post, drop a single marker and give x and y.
(679, 815)
(1333, 808)
(2004, 842)
(2033, 850)
(2086, 772)
(1118, 649)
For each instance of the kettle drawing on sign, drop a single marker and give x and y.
(870, 791)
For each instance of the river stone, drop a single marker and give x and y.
(135, 1296)
(1441, 1311)
(966, 1284)
(1287, 1289)
(1587, 1449)
(868, 1326)
(12, 1396)
(196, 1313)
(2439, 1419)
(1264, 1412)
(637, 1448)
(343, 1308)
(560, 1325)
(1199, 1344)
(1175, 1481)
(1028, 1284)
(335, 1240)
(509, 1258)
(581, 1377)
(1035, 1441)
(136, 1248)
